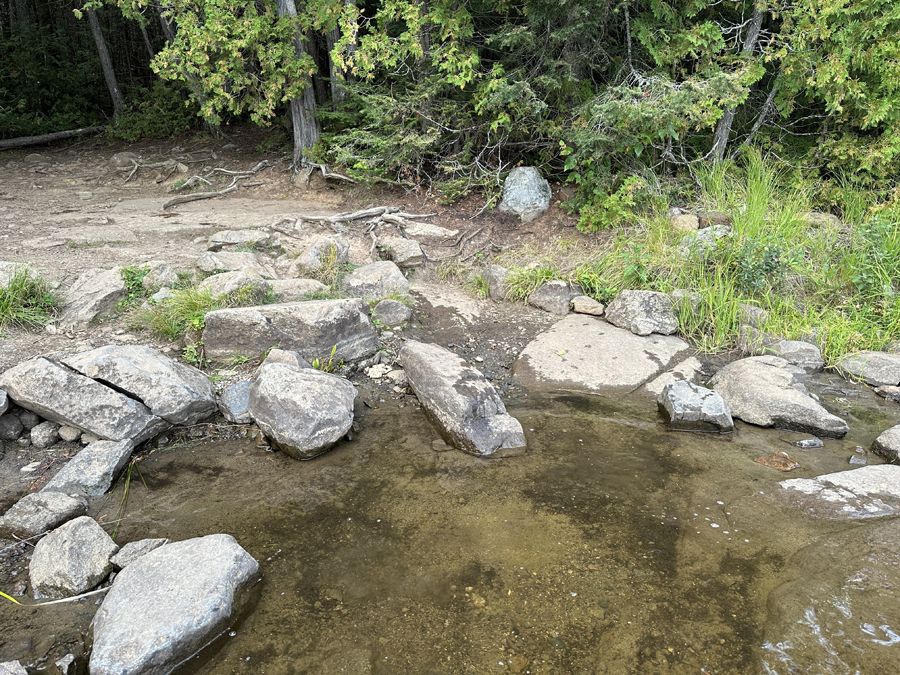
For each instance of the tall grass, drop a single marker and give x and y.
(27, 301)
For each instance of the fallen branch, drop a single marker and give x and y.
(200, 195)
(330, 174)
(24, 141)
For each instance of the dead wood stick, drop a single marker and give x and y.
(350, 216)
(470, 238)
(24, 141)
(200, 195)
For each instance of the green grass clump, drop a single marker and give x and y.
(133, 276)
(27, 301)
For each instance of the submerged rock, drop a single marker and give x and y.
(303, 411)
(176, 392)
(690, 407)
(767, 391)
(169, 604)
(868, 492)
(463, 404)
(40, 512)
(525, 193)
(643, 312)
(311, 328)
(72, 559)
(56, 393)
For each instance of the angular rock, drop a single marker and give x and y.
(375, 281)
(285, 356)
(888, 445)
(4, 402)
(291, 290)
(643, 312)
(682, 298)
(685, 222)
(798, 353)
(583, 352)
(176, 392)
(525, 193)
(753, 316)
(868, 492)
(160, 275)
(582, 304)
(248, 281)
(228, 239)
(311, 328)
(303, 411)
(875, 368)
(685, 371)
(56, 393)
(888, 392)
(756, 342)
(169, 604)
(496, 279)
(768, 391)
(228, 261)
(39, 512)
(91, 471)
(405, 253)
(689, 407)
(460, 401)
(391, 312)
(10, 427)
(96, 292)
(428, 231)
(12, 668)
(45, 434)
(234, 403)
(551, 296)
(133, 550)
(72, 559)
(326, 252)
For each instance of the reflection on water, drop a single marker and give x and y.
(611, 547)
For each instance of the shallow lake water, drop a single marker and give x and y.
(612, 546)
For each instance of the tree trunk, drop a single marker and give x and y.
(303, 109)
(337, 91)
(23, 17)
(723, 128)
(321, 67)
(106, 63)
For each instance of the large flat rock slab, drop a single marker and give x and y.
(874, 368)
(170, 603)
(583, 352)
(462, 403)
(311, 328)
(60, 395)
(868, 492)
(173, 391)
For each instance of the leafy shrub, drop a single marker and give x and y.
(759, 262)
(154, 113)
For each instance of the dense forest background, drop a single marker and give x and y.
(626, 99)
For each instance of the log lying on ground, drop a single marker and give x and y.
(24, 141)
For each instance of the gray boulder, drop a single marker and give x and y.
(551, 296)
(228, 239)
(10, 427)
(888, 444)
(247, 280)
(752, 315)
(131, 551)
(96, 292)
(91, 471)
(56, 393)
(868, 492)
(683, 299)
(888, 392)
(875, 368)
(234, 403)
(701, 243)
(229, 261)
(325, 252)
(160, 275)
(496, 279)
(460, 401)
(44, 434)
(12, 668)
(643, 312)
(405, 253)
(176, 392)
(40, 512)
(72, 559)
(582, 304)
(798, 353)
(375, 281)
(311, 328)
(768, 391)
(391, 312)
(690, 407)
(4, 402)
(169, 604)
(525, 193)
(303, 411)
(69, 434)
(290, 290)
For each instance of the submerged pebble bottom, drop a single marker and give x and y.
(613, 547)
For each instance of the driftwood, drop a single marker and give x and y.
(380, 215)
(200, 195)
(236, 176)
(24, 141)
